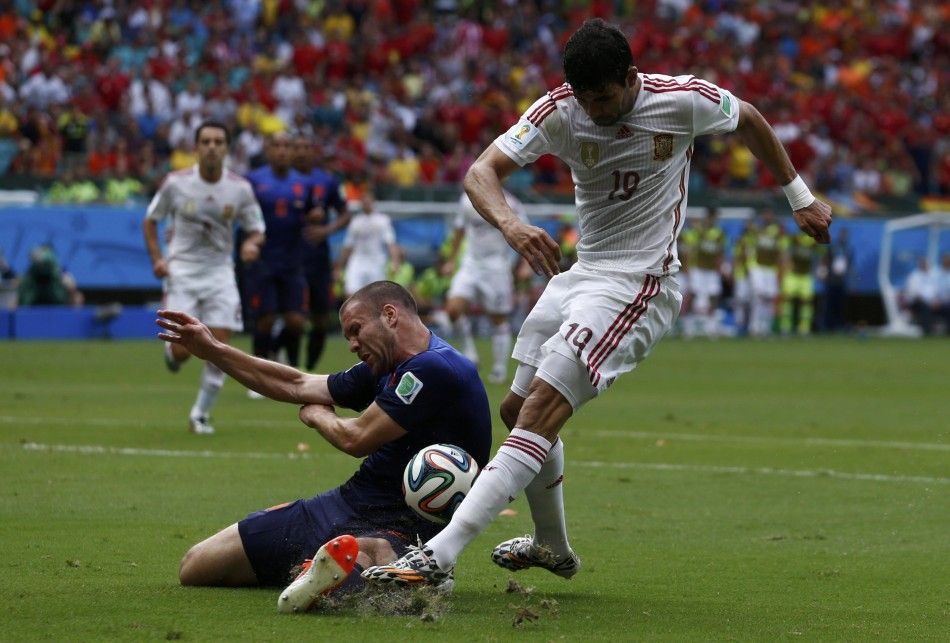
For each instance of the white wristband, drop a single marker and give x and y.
(798, 194)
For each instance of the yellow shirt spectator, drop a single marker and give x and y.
(741, 164)
(341, 23)
(404, 170)
(8, 123)
(181, 158)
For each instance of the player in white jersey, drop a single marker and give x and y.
(370, 240)
(628, 138)
(484, 275)
(201, 205)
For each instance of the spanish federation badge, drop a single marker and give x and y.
(662, 147)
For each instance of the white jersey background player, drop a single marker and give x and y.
(369, 243)
(484, 276)
(202, 204)
(628, 139)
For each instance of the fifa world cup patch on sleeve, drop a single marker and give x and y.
(726, 104)
(522, 133)
(408, 387)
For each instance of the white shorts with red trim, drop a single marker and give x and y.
(491, 286)
(213, 298)
(605, 322)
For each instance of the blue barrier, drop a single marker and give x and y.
(86, 322)
(104, 249)
(6, 325)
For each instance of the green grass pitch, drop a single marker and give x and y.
(730, 490)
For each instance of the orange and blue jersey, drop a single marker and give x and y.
(325, 192)
(285, 202)
(437, 397)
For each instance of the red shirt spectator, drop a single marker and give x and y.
(339, 55)
(306, 56)
(101, 161)
(112, 85)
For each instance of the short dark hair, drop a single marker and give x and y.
(595, 56)
(380, 293)
(215, 124)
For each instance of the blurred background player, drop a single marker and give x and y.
(329, 215)
(743, 257)
(485, 277)
(921, 295)
(798, 285)
(369, 247)
(684, 324)
(765, 273)
(9, 282)
(45, 283)
(943, 292)
(707, 252)
(835, 271)
(275, 284)
(202, 203)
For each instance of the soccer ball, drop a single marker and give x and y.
(436, 481)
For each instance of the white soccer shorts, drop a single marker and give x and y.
(764, 282)
(493, 288)
(359, 274)
(742, 290)
(704, 283)
(212, 298)
(604, 322)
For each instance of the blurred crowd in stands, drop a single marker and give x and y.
(103, 95)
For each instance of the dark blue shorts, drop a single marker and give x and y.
(269, 291)
(278, 539)
(320, 292)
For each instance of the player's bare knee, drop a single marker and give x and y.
(455, 307)
(552, 398)
(180, 353)
(295, 323)
(189, 573)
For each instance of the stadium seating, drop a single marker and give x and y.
(445, 77)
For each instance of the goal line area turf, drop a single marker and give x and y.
(750, 490)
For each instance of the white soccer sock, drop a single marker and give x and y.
(757, 323)
(212, 379)
(763, 312)
(518, 461)
(501, 346)
(740, 312)
(711, 324)
(464, 327)
(546, 498)
(169, 355)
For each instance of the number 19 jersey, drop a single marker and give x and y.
(631, 178)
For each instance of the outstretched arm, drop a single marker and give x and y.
(276, 381)
(811, 215)
(483, 186)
